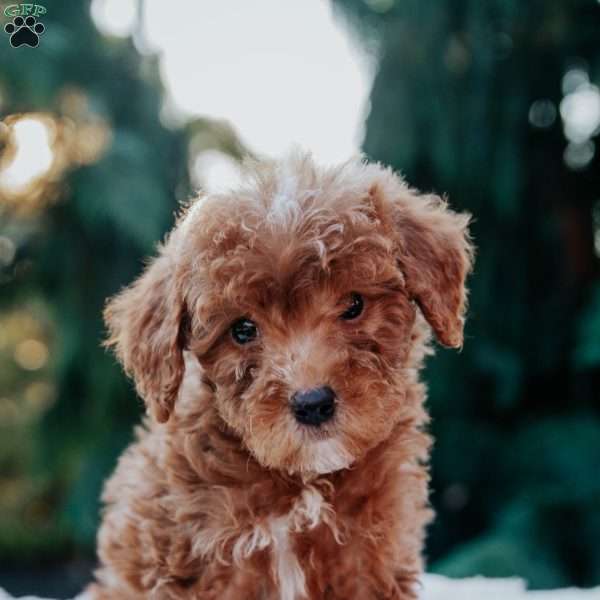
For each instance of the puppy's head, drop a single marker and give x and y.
(302, 297)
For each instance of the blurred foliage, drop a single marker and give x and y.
(466, 102)
(68, 240)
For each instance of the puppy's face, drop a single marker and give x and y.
(299, 298)
(310, 331)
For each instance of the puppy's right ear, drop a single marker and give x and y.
(145, 323)
(434, 252)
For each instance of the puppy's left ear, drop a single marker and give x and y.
(146, 323)
(434, 253)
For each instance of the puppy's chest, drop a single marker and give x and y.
(296, 542)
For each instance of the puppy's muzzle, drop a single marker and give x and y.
(315, 406)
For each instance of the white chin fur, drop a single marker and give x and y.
(326, 456)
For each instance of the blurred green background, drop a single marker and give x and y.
(494, 102)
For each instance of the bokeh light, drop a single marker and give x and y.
(39, 148)
(31, 354)
(578, 155)
(542, 113)
(33, 156)
(573, 79)
(580, 111)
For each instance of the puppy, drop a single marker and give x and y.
(276, 340)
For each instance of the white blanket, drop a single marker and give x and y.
(436, 587)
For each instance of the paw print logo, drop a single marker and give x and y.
(24, 32)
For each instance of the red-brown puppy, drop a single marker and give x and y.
(276, 340)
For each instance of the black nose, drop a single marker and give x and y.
(313, 407)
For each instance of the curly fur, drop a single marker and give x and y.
(224, 495)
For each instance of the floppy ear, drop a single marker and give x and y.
(146, 329)
(434, 253)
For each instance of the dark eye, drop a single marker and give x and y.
(244, 331)
(354, 309)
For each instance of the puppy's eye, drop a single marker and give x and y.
(244, 331)
(354, 309)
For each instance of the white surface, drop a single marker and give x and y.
(436, 587)
(480, 588)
